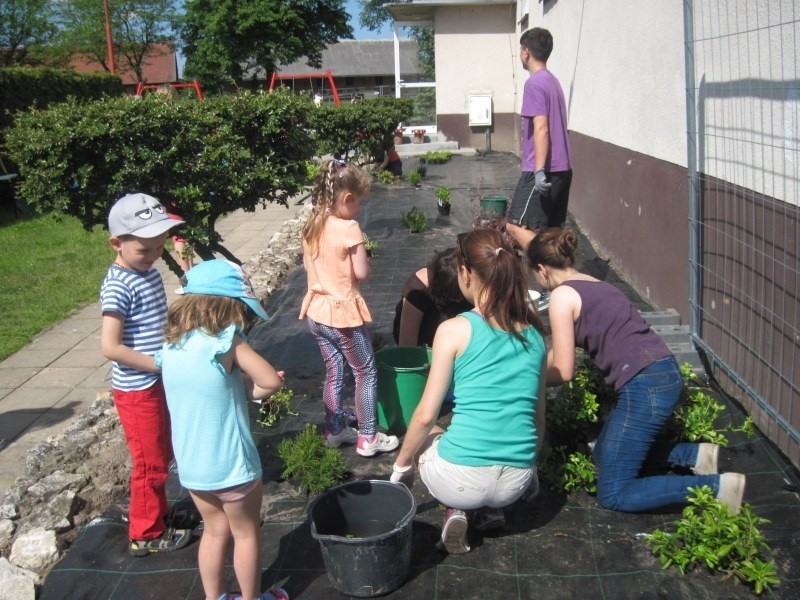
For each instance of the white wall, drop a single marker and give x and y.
(476, 50)
(621, 65)
(747, 84)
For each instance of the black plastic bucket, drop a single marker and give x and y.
(364, 530)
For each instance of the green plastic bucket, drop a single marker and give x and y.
(402, 375)
(494, 205)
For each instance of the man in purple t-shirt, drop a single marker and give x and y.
(540, 200)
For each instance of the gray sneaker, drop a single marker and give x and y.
(348, 435)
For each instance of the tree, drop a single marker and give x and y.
(136, 25)
(222, 40)
(25, 26)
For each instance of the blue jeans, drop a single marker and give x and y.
(644, 405)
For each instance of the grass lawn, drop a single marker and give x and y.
(48, 269)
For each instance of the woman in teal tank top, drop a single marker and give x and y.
(495, 356)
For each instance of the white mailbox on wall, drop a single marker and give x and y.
(480, 110)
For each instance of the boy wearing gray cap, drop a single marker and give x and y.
(134, 306)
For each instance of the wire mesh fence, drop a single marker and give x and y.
(743, 116)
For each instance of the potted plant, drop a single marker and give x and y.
(419, 135)
(443, 200)
(398, 135)
(415, 178)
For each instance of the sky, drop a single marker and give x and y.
(360, 33)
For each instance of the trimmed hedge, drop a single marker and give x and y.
(22, 88)
(207, 158)
(359, 131)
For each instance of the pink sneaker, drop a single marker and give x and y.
(454, 531)
(380, 442)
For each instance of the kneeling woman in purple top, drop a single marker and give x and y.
(596, 316)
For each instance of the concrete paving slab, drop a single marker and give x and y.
(99, 378)
(81, 358)
(55, 341)
(13, 377)
(32, 358)
(56, 377)
(81, 324)
(31, 399)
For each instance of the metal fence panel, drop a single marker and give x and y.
(743, 117)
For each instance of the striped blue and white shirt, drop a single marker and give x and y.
(140, 299)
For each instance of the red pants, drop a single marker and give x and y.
(145, 420)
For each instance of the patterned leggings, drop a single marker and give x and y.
(349, 346)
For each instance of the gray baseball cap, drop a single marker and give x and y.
(140, 215)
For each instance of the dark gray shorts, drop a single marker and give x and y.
(536, 212)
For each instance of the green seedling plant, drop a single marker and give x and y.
(271, 408)
(414, 178)
(311, 464)
(416, 221)
(696, 416)
(578, 402)
(566, 471)
(580, 473)
(422, 170)
(708, 534)
(386, 177)
(443, 195)
(436, 157)
(370, 246)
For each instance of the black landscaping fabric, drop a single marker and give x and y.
(557, 547)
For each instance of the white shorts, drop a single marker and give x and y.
(460, 486)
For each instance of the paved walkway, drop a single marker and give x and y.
(58, 375)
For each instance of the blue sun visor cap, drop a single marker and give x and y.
(218, 277)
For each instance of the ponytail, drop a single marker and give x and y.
(505, 291)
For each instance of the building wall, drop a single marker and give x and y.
(475, 54)
(625, 93)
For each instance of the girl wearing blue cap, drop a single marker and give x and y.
(209, 373)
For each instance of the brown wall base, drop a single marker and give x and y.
(501, 133)
(634, 209)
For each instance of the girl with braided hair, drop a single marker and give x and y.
(495, 355)
(336, 261)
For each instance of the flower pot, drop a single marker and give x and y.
(398, 139)
(444, 209)
(418, 139)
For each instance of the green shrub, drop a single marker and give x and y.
(208, 158)
(707, 534)
(358, 132)
(310, 463)
(414, 178)
(416, 221)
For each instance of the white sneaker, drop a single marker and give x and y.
(707, 457)
(731, 491)
(380, 442)
(348, 435)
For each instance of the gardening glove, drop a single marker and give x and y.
(404, 475)
(540, 185)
